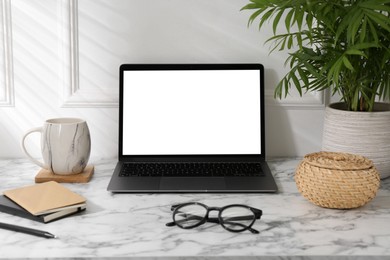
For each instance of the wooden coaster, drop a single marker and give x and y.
(84, 177)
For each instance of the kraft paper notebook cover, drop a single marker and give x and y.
(44, 198)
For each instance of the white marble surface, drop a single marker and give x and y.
(133, 225)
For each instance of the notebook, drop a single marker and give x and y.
(45, 198)
(191, 128)
(10, 207)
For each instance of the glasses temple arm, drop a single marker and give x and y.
(190, 217)
(213, 220)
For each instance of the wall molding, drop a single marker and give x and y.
(309, 101)
(73, 94)
(9, 93)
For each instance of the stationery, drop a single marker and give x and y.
(10, 207)
(45, 198)
(31, 231)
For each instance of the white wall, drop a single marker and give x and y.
(61, 58)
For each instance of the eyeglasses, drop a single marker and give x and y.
(234, 218)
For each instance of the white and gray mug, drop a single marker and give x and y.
(65, 145)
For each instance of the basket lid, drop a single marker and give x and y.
(338, 161)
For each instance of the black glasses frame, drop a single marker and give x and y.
(257, 213)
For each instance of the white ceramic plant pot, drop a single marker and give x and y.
(363, 133)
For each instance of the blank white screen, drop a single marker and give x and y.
(197, 112)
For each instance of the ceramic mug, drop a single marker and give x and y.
(65, 145)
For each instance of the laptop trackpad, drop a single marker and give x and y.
(185, 184)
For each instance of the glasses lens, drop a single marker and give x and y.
(237, 218)
(189, 215)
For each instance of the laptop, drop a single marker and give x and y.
(191, 128)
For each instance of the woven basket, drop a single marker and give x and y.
(337, 180)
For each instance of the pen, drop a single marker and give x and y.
(31, 231)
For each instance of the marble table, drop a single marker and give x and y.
(133, 225)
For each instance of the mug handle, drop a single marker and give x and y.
(35, 129)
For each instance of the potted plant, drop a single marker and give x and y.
(344, 46)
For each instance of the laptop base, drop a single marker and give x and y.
(262, 184)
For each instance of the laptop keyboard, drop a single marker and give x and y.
(191, 169)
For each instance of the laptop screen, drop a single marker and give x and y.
(191, 109)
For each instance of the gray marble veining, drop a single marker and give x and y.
(133, 225)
